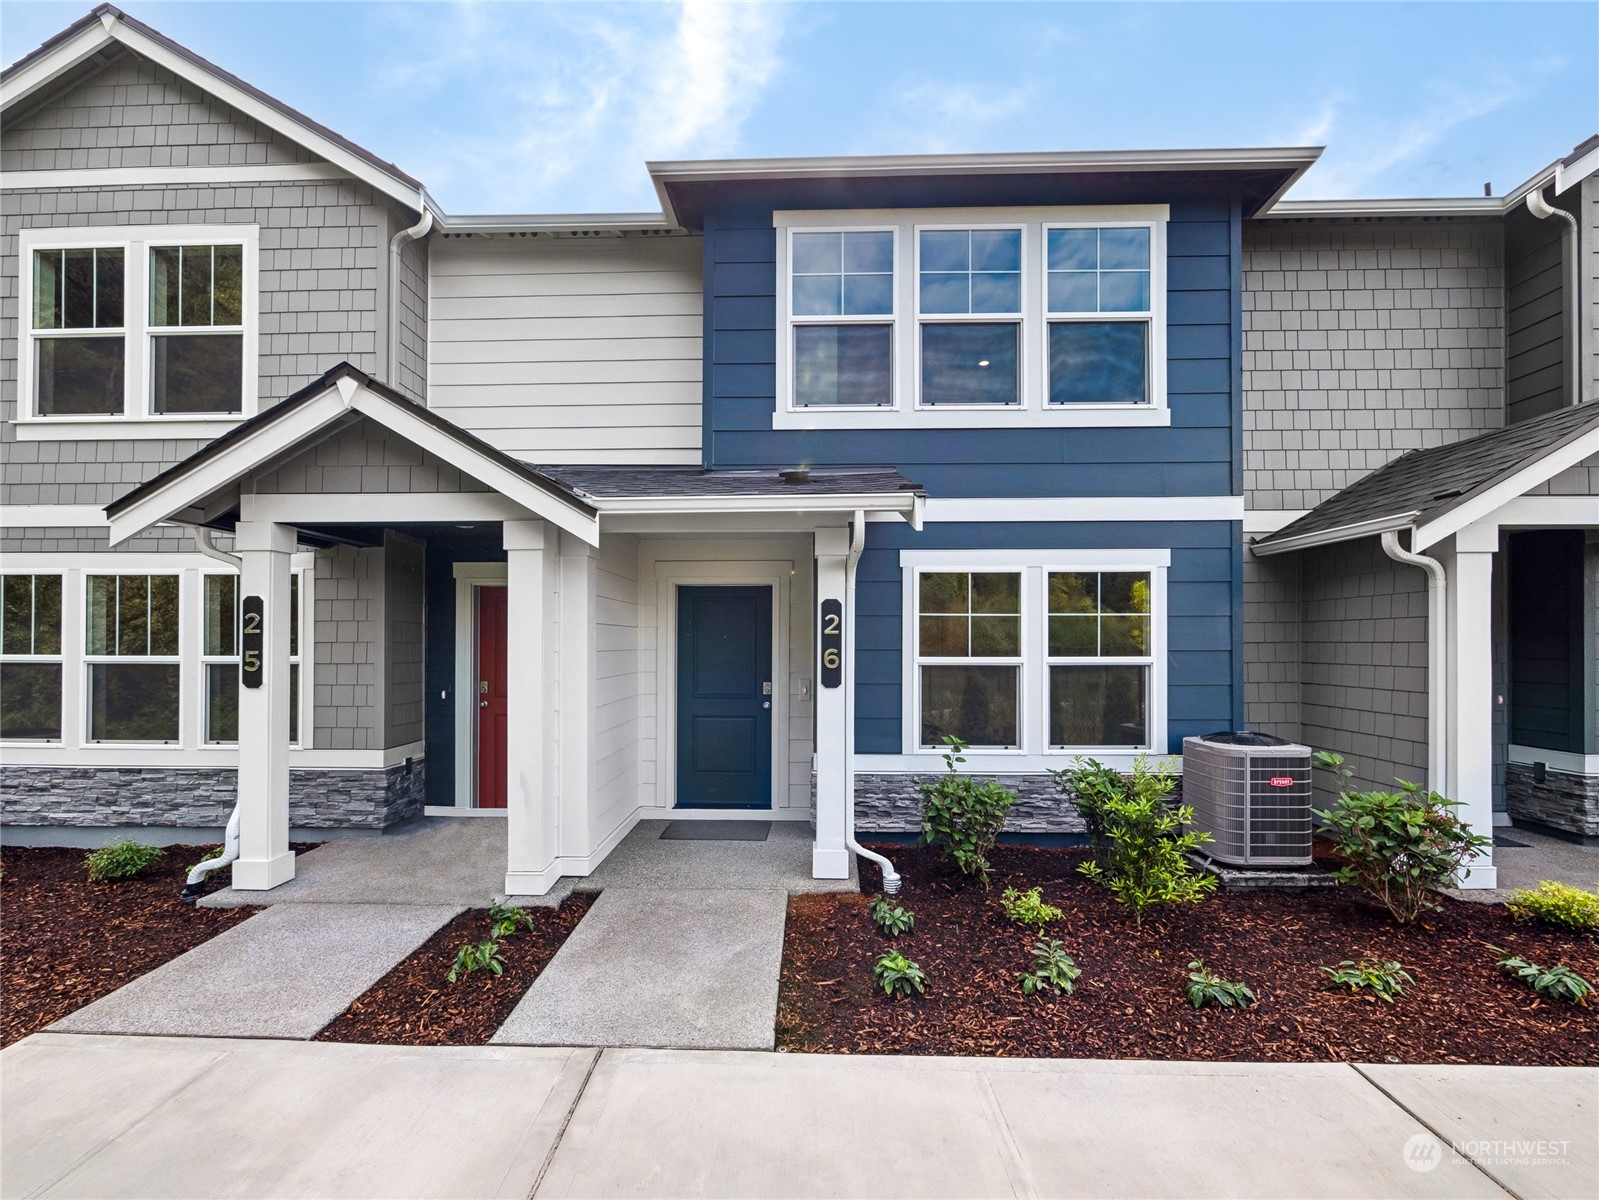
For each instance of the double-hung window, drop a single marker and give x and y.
(1098, 301)
(220, 659)
(150, 328)
(842, 302)
(969, 315)
(30, 658)
(969, 656)
(133, 655)
(1100, 657)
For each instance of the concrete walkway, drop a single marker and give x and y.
(1540, 857)
(112, 1117)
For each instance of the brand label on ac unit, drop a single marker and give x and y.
(1282, 781)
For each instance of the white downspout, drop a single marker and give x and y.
(230, 840)
(1571, 286)
(857, 543)
(414, 233)
(1437, 661)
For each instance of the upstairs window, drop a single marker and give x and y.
(969, 309)
(196, 329)
(79, 344)
(842, 291)
(1097, 298)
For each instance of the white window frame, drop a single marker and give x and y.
(1034, 410)
(1154, 317)
(1035, 752)
(914, 650)
(890, 319)
(59, 659)
(1070, 660)
(136, 420)
(90, 661)
(1017, 318)
(202, 739)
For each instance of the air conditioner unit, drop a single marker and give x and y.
(1251, 792)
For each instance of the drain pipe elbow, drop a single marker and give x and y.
(1437, 659)
(204, 542)
(415, 233)
(195, 883)
(1570, 243)
(857, 543)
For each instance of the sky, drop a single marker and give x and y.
(550, 108)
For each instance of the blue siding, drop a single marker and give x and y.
(1203, 640)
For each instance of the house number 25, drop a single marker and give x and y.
(832, 643)
(250, 637)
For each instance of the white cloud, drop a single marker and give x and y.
(547, 107)
(930, 117)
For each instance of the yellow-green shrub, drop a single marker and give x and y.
(1559, 904)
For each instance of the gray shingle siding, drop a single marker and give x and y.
(347, 693)
(365, 457)
(1535, 316)
(410, 371)
(1272, 672)
(403, 610)
(55, 540)
(1362, 342)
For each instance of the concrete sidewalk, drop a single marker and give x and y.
(113, 1116)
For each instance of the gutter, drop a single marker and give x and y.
(415, 233)
(1437, 660)
(857, 543)
(1570, 245)
(1326, 537)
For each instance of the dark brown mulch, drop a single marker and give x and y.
(414, 1005)
(1129, 1002)
(65, 941)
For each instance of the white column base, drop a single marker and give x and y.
(262, 874)
(531, 883)
(829, 864)
(1478, 878)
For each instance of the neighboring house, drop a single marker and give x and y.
(737, 509)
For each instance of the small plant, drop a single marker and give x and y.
(964, 814)
(126, 859)
(1557, 904)
(1052, 969)
(1206, 987)
(1145, 862)
(1397, 846)
(899, 975)
(1028, 908)
(1090, 785)
(1552, 983)
(507, 920)
(481, 956)
(891, 918)
(1385, 980)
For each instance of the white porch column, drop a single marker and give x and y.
(530, 805)
(265, 859)
(576, 642)
(1471, 690)
(829, 855)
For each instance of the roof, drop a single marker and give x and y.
(607, 482)
(680, 185)
(1421, 488)
(89, 34)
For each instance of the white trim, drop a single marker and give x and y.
(1270, 520)
(1097, 509)
(1032, 408)
(1550, 511)
(883, 502)
(137, 330)
(454, 810)
(1490, 499)
(153, 757)
(1033, 699)
(730, 572)
(362, 508)
(930, 762)
(52, 516)
(469, 576)
(132, 177)
(1563, 761)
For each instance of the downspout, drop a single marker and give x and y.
(195, 883)
(857, 543)
(1572, 286)
(414, 233)
(1437, 660)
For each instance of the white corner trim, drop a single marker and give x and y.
(1097, 509)
(1563, 761)
(203, 176)
(52, 516)
(1270, 520)
(1485, 503)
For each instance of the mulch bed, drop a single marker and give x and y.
(414, 1005)
(65, 942)
(1129, 1002)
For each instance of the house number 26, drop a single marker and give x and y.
(832, 643)
(251, 612)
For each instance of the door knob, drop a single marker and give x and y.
(482, 703)
(766, 704)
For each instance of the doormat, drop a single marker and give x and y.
(1501, 840)
(716, 831)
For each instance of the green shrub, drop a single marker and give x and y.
(964, 814)
(1397, 846)
(1028, 908)
(1385, 980)
(1052, 968)
(1090, 785)
(1206, 987)
(891, 918)
(899, 975)
(1557, 904)
(1145, 862)
(507, 920)
(126, 859)
(482, 956)
(1552, 983)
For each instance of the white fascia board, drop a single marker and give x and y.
(382, 508)
(1549, 512)
(898, 504)
(60, 60)
(1481, 206)
(1327, 537)
(1487, 501)
(556, 222)
(530, 496)
(1080, 508)
(124, 177)
(271, 439)
(1567, 177)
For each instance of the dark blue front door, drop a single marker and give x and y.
(724, 700)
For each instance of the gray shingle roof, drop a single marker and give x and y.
(1421, 486)
(615, 482)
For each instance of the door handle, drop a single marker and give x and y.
(482, 703)
(766, 704)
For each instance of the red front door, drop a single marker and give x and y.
(491, 697)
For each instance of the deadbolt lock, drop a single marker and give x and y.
(766, 688)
